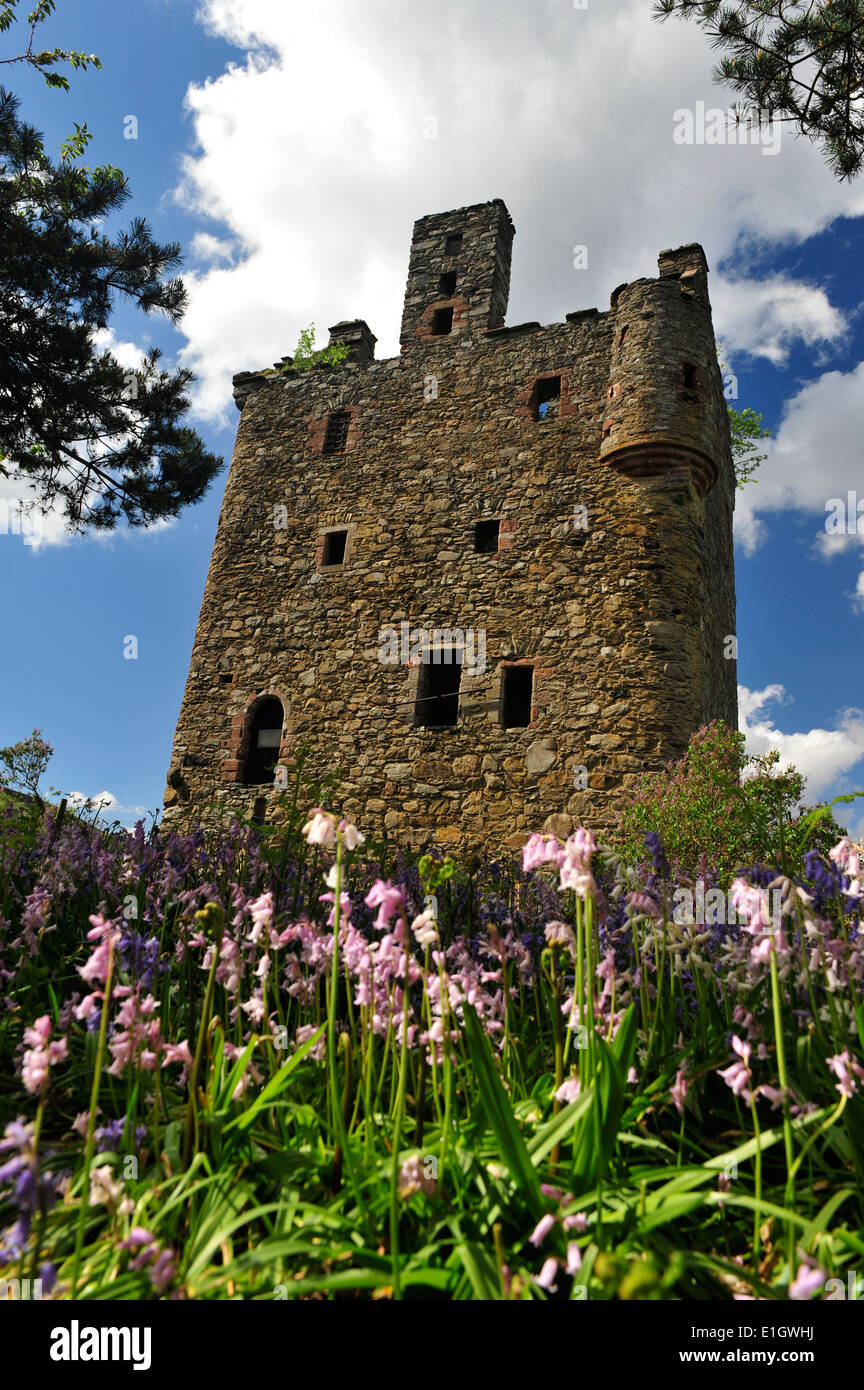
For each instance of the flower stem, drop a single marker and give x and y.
(91, 1124)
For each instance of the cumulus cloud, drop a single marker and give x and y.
(342, 123)
(802, 473)
(765, 317)
(830, 759)
(106, 803)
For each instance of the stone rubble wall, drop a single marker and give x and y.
(624, 622)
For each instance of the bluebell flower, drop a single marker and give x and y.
(658, 856)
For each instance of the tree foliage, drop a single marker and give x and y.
(717, 801)
(746, 428)
(798, 61)
(22, 764)
(306, 354)
(44, 60)
(99, 441)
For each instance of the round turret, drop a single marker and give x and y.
(665, 410)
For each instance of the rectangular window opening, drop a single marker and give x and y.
(517, 688)
(442, 322)
(691, 379)
(447, 284)
(547, 398)
(453, 244)
(334, 547)
(336, 433)
(486, 537)
(438, 689)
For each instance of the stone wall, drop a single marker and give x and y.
(612, 575)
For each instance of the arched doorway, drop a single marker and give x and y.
(263, 740)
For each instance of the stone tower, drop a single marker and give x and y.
(486, 582)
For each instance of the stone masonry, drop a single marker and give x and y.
(353, 580)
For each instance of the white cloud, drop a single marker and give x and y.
(129, 355)
(830, 759)
(765, 317)
(21, 519)
(816, 456)
(205, 247)
(106, 802)
(105, 799)
(312, 153)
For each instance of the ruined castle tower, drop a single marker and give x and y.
(487, 582)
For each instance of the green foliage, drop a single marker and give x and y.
(746, 427)
(306, 355)
(76, 428)
(704, 805)
(23, 764)
(798, 61)
(235, 1178)
(45, 60)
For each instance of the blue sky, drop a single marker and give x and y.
(289, 148)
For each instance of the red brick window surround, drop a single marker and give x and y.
(493, 535)
(337, 432)
(254, 742)
(547, 397)
(437, 317)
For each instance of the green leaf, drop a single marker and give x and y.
(556, 1130)
(818, 813)
(597, 1132)
(481, 1270)
(499, 1114)
(276, 1084)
